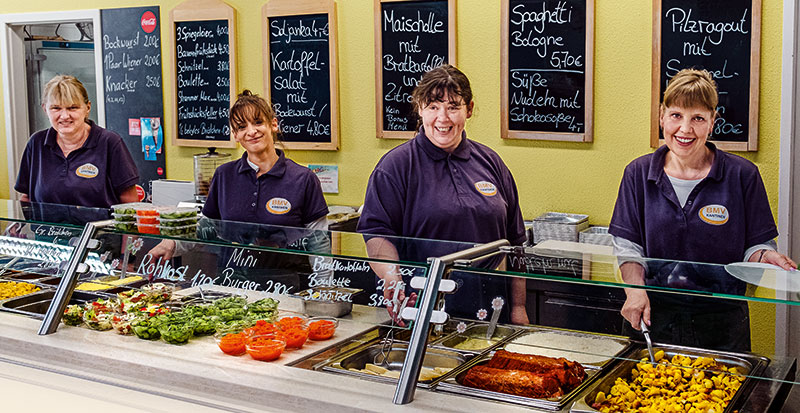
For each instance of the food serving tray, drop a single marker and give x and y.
(394, 362)
(591, 355)
(477, 331)
(452, 384)
(746, 363)
(36, 304)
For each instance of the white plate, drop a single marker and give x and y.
(765, 275)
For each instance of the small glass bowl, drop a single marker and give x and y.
(265, 347)
(322, 328)
(287, 320)
(234, 344)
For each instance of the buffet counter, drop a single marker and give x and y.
(199, 373)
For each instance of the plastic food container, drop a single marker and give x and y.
(322, 328)
(124, 217)
(182, 231)
(128, 208)
(265, 347)
(129, 226)
(147, 228)
(173, 213)
(147, 219)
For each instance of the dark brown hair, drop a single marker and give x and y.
(252, 108)
(437, 82)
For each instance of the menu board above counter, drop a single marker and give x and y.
(723, 37)
(547, 69)
(411, 37)
(300, 71)
(131, 42)
(203, 49)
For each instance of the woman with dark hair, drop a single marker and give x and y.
(263, 186)
(441, 185)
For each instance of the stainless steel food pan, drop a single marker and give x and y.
(748, 364)
(567, 346)
(453, 384)
(328, 301)
(36, 304)
(477, 331)
(394, 362)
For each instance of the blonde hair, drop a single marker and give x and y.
(691, 88)
(65, 89)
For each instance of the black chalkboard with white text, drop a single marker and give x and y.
(131, 42)
(548, 57)
(723, 38)
(300, 84)
(202, 80)
(414, 38)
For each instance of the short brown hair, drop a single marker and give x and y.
(65, 89)
(250, 107)
(691, 88)
(437, 82)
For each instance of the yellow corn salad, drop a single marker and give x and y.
(682, 385)
(14, 289)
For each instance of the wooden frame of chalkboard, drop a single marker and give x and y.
(312, 25)
(550, 66)
(407, 46)
(726, 61)
(201, 119)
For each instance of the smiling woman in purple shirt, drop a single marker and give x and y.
(75, 162)
(263, 186)
(441, 185)
(689, 201)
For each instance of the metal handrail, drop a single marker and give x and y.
(418, 342)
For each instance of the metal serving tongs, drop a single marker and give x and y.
(646, 333)
(388, 342)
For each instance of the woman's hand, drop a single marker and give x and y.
(636, 307)
(165, 249)
(774, 258)
(392, 281)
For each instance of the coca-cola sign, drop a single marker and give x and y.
(148, 22)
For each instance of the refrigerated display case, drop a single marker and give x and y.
(371, 363)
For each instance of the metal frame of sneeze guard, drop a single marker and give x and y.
(412, 364)
(69, 280)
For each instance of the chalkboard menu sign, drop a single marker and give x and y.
(547, 68)
(412, 37)
(131, 42)
(300, 71)
(723, 37)
(203, 47)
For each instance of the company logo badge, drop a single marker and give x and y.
(714, 214)
(148, 22)
(278, 206)
(87, 170)
(486, 188)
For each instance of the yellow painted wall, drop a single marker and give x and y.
(551, 176)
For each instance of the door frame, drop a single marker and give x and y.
(787, 317)
(15, 94)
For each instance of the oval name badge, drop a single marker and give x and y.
(486, 188)
(278, 206)
(87, 170)
(713, 214)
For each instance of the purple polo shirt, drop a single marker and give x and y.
(419, 190)
(288, 195)
(93, 175)
(727, 212)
